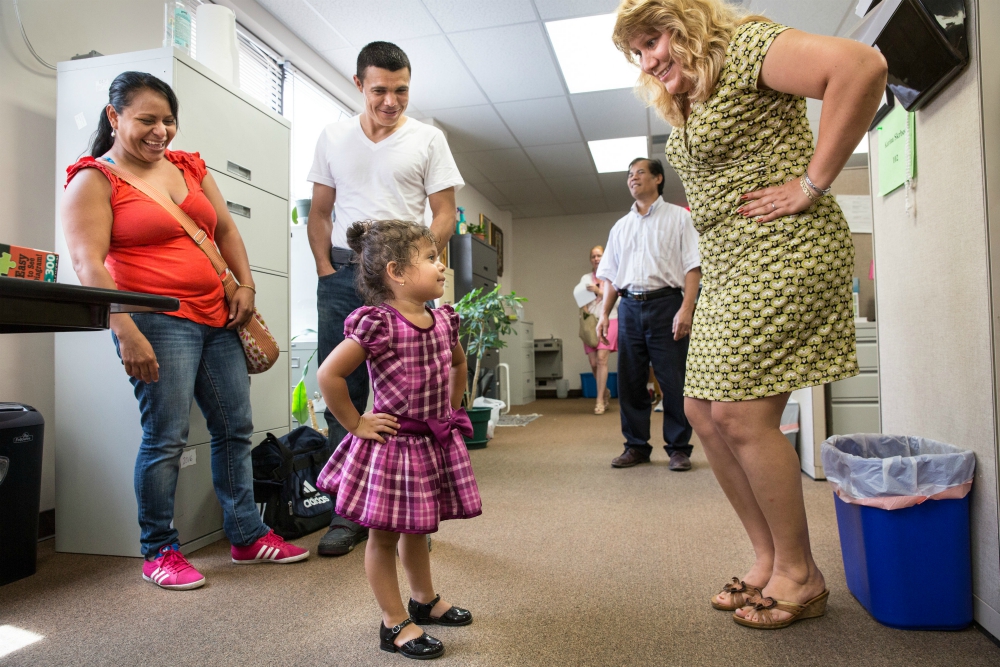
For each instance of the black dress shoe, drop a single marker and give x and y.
(342, 537)
(630, 457)
(423, 647)
(421, 613)
(680, 462)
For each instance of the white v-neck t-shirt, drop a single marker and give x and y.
(388, 179)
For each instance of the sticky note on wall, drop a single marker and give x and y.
(18, 262)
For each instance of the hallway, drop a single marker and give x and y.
(572, 563)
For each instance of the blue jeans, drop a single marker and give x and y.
(205, 364)
(336, 299)
(645, 337)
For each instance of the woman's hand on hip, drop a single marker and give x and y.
(138, 357)
(240, 308)
(372, 424)
(775, 202)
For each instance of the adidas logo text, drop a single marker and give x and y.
(318, 500)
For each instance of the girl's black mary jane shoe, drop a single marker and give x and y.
(421, 613)
(423, 647)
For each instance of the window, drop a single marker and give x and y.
(261, 73)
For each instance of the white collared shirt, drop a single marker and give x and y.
(652, 251)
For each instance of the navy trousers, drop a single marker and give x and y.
(645, 336)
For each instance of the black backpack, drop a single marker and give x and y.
(284, 482)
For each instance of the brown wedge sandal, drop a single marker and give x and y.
(812, 609)
(740, 595)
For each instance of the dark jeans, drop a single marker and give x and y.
(336, 299)
(645, 335)
(207, 365)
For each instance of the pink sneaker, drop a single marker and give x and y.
(171, 570)
(269, 549)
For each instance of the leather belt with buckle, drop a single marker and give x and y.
(648, 296)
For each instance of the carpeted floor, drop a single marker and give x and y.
(572, 563)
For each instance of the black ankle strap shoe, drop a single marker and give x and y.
(421, 613)
(423, 647)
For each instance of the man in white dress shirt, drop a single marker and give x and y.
(651, 261)
(378, 165)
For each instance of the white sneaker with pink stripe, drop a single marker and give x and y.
(269, 549)
(171, 570)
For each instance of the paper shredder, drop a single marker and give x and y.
(21, 429)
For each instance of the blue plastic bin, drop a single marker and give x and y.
(910, 568)
(589, 383)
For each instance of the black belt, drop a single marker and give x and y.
(341, 256)
(647, 296)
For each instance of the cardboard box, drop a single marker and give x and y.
(18, 262)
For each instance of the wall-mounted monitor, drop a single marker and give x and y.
(924, 43)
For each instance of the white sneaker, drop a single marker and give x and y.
(659, 407)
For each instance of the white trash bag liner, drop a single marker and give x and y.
(896, 471)
(495, 406)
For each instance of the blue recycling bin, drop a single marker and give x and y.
(902, 506)
(589, 383)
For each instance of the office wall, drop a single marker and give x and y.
(552, 254)
(855, 181)
(933, 270)
(58, 29)
(475, 203)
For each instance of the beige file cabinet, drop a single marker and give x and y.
(853, 403)
(96, 425)
(519, 355)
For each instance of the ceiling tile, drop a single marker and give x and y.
(573, 188)
(454, 15)
(580, 206)
(303, 20)
(656, 124)
(544, 121)
(470, 174)
(610, 114)
(344, 60)
(562, 159)
(615, 187)
(439, 78)
(564, 9)
(514, 211)
(491, 192)
(541, 210)
(510, 62)
(525, 191)
(474, 128)
(817, 17)
(389, 20)
(503, 165)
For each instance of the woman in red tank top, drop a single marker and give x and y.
(121, 239)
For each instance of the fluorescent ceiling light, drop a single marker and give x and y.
(587, 56)
(615, 154)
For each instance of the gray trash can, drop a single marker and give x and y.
(21, 430)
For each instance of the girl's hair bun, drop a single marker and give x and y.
(356, 235)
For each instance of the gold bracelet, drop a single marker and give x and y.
(807, 191)
(249, 287)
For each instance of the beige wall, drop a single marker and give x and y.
(936, 339)
(475, 203)
(552, 255)
(58, 29)
(854, 181)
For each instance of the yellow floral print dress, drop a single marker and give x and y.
(775, 312)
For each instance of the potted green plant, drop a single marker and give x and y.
(302, 404)
(485, 320)
(477, 230)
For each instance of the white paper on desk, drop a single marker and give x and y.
(581, 294)
(858, 211)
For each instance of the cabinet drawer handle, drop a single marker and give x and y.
(238, 170)
(238, 209)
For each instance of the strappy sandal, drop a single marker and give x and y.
(740, 595)
(812, 609)
(600, 408)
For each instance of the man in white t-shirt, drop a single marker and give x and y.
(378, 165)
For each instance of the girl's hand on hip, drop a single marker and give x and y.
(372, 424)
(774, 202)
(240, 308)
(138, 357)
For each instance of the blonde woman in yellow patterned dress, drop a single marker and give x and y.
(775, 312)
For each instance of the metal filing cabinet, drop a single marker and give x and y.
(246, 148)
(854, 403)
(519, 355)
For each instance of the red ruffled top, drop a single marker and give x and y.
(150, 252)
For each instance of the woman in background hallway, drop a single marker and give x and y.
(775, 312)
(589, 287)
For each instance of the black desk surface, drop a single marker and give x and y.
(30, 306)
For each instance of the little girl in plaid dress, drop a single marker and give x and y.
(403, 467)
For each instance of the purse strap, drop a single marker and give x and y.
(197, 234)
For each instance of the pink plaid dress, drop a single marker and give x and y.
(412, 482)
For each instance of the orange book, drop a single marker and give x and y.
(18, 262)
